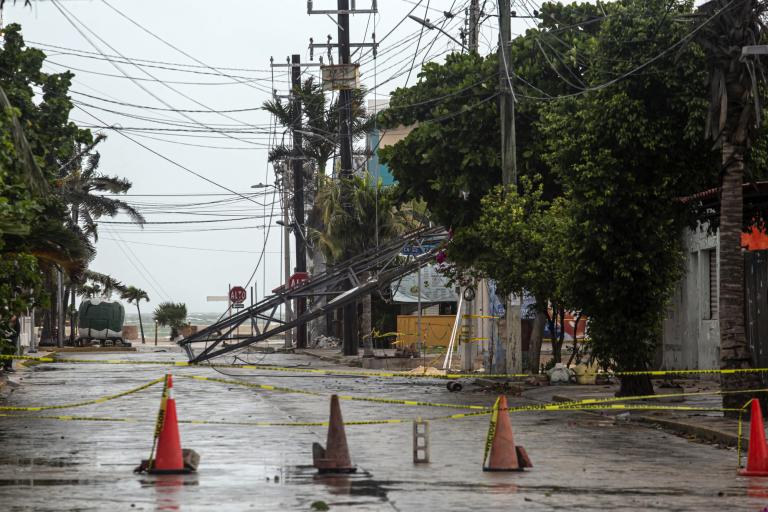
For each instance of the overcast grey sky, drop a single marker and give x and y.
(225, 33)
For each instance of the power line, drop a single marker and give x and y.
(189, 248)
(181, 221)
(69, 17)
(137, 78)
(170, 45)
(167, 159)
(147, 107)
(135, 59)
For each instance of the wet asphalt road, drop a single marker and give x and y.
(581, 461)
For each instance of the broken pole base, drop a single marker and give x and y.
(523, 461)
(327, 466)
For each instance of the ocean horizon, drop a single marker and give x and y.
(200, 319)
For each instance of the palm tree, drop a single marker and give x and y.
(320, 142)
(133, 294)
(79, 187)
(372, 220)
(320, 123)
(171, 314)
(734, 113)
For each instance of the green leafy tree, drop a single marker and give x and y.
(37, 138)
(625, 154)
(519, 239)
(450, 159)
(81, 188)
(136, 295)
(173, 315)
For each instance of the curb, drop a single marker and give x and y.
(700, 432)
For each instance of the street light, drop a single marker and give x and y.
(262, 185)
(429, 25)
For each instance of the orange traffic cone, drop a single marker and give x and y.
(335, 457)
(757, 456)
(169, 458)
(504, 455)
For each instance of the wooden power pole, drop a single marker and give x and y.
(513, 336)
(350, 342)
(474, 26)
(298, 191)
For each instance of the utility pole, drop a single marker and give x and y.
(474, 26)
(298, 192)
(296, 166)
(350, 342)
(513, 338)
(287, 254)
(508, 143)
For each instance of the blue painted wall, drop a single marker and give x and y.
(376, 169)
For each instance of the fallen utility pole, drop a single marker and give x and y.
(368, 271)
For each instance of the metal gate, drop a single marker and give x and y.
(756, 306)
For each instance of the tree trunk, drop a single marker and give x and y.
(49, 316)
(635, 385)
(534, 346)
(365, 320)
(319, 326)
(734, 350)
(575, 341)
(558, 340)
(141, 325)
(72, 316)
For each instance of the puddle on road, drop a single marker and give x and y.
(43, 482)
(37, 461)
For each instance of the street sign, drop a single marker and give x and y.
(415, 250)
(237, 295)
(238, 305)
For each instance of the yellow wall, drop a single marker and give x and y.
(436, 329)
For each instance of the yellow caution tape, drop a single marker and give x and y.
(84, 403)
(551, 407)
(652, 373)
(160, 419)
(739, 434)
(208, 422)
(491, 430)
(588, 401)
(341, 397)
(262, 368)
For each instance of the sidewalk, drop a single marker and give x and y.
(709, 426)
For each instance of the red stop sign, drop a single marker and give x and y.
(237, 295)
